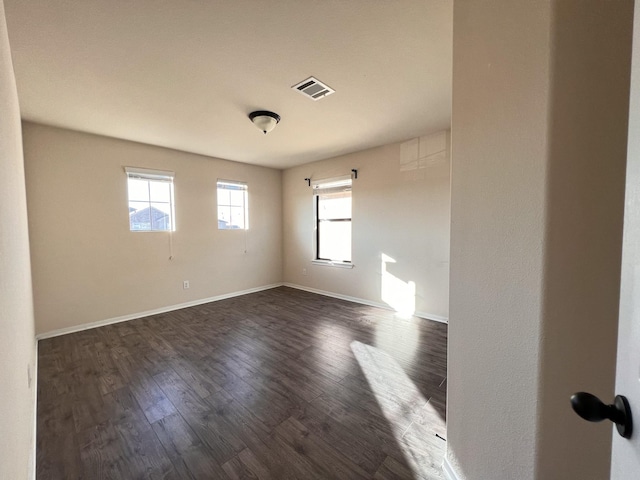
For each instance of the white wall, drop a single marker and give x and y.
(88, 266)
(539, 136)
(497, 236)
(401, 214)
(17, 344)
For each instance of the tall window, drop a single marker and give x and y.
(232, 205)
(332, 199)
(150, 200)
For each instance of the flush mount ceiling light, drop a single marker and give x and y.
(264, 120)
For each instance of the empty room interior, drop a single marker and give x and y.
(311, 240)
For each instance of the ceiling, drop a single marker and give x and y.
(185, 74)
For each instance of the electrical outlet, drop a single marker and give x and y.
(304, 271)
(185, 284)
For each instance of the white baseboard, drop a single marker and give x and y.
(427, 316)
(133, 316)
(448, 471)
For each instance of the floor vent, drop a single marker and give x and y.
(313, 89)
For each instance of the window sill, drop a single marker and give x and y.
(329, 263)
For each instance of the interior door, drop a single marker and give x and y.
(625, 460)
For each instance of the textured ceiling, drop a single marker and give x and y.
(185, 74)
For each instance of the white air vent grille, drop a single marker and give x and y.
(313, 89)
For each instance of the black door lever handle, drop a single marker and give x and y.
(592, 409)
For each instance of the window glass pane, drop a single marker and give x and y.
(224, 217)
(139, 216)
(223, 197)
(138, 190)
(237, 217)
(160, 191)
(334, 206)
(161, 208)
(237, 198)
(335, 241)
(160, 216)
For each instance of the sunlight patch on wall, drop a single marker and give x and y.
(399, 295)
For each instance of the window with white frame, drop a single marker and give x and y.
(332, 202)
(150, 200)
(232, 205)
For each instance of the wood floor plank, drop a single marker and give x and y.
(197, 381)
(102, 454)
(391, 469)
(236, 470)
(152, 400)
(273, 379)
(189, 455)
(223, 443)
(319, 452)
(294, 461)
(140, 446)
(275, 457)
(58, 454)
(88, 406)
(268, 405)
(428, 432)
(246, 466)
(144, 454)
(254, 465)
(279, 384)
(353, 446)
(378, 431)
(249, 428)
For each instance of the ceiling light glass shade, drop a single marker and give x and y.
(264, 120)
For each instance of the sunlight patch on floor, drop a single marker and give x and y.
(398, 336)
(403, 405)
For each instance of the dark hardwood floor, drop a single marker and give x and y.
(280, 384)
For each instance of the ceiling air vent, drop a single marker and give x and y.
(313, 88)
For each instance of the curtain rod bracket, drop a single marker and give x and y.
(355, 173)
(308, 180)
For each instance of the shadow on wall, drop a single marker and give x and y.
(399, 295)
